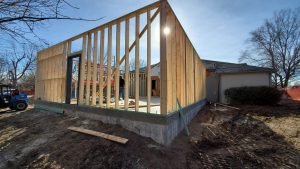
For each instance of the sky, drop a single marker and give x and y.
(218, 29)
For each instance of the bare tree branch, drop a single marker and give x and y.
(276, 44)
(18, 18)
(20, 59)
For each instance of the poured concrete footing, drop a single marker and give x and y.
(161, 128)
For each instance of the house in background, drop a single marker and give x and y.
(222, 75)
(155, 81)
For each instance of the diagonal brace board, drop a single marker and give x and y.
(140, 35)
(182, 117)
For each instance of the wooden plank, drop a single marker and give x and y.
(126, 64)
(101, 69)
(168, 76)
(149, 61)
(169, 42)
(67, 51)
(108, 81)
(203, 80)
(45, 96)
(117, 75)
(173, 68)
(184, 84)
(95, 54)
(196, 77)
(189, 74)
(187, 71)
(137, 62)
(37, 79)
(192, 74)
(100, 134)
(56, 75)
(82, 71)
(88, 79)
(39, 85)
(55, 90)
(163, 61)
(59, 90)
(179, 64)
(53, 70)
(52, 88)
(48, 70)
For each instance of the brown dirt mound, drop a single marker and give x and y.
(222, 139)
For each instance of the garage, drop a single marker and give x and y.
(223, 75)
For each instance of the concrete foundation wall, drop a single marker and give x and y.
(162, 129)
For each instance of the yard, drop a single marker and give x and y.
(252, 137)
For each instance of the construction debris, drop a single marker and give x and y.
(228, 106)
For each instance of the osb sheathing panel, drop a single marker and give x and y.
(51, 74)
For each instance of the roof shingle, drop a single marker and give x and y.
(225, 67)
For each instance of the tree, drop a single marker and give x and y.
(18, 22)
(143, 64)
(18, 18)
(3, 69)
(27, 81)
(20, 61)
(276, 44)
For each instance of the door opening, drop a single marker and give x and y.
(72, 80)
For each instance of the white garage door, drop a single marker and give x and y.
(242, 79)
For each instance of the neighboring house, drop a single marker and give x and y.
(155, 81)
(222, 75)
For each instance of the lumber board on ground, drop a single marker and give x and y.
(100, 134)
(228, 106)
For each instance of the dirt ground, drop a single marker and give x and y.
(252, 137)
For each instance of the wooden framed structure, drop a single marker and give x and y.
(182, 74)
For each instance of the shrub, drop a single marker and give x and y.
(260, 95)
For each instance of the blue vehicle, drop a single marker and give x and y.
(12, 98)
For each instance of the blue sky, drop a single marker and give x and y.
(218, 29)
